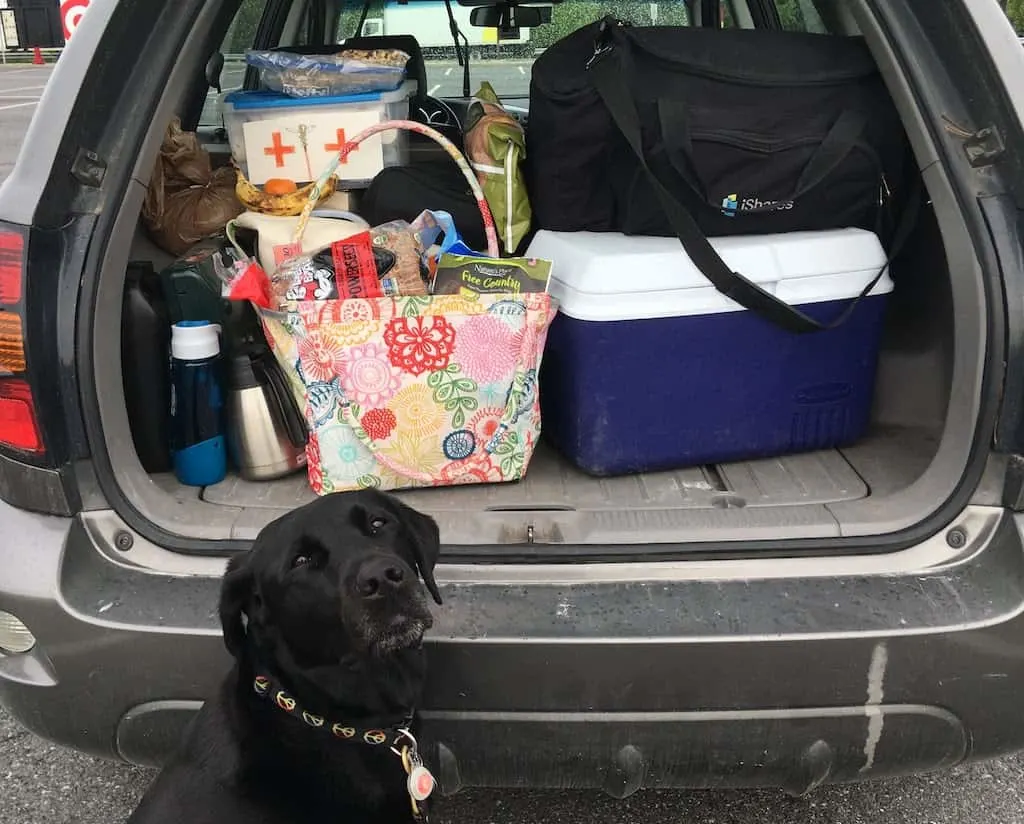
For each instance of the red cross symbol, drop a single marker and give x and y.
(278, 150)
(337, 147)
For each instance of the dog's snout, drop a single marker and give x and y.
(378, 575)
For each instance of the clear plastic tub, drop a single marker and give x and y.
(273, 135)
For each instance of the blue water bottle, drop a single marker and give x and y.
(197, 404)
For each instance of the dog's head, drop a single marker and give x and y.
(335, 578)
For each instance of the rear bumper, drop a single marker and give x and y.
(661, 680)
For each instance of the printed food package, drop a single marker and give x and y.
(353, 71)
(386, 261)
(461, 274)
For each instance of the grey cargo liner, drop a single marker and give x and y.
(562, 504)
(551, 483)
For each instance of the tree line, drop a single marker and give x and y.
(568, 17)
(1015, 11)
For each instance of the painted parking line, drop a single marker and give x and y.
(22, 89)
(19, 105)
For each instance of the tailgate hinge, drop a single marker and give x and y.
(982, 147)
(88, 168)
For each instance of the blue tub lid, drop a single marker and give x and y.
(264, 99)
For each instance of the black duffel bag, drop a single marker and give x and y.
(691, 132)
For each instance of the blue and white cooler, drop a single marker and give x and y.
(648, 367)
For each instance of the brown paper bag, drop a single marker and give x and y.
(187, 200)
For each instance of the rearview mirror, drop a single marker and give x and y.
(508, 18)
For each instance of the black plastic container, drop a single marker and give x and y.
(192, 287)
(145, 365)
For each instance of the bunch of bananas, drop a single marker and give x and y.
(283, 201)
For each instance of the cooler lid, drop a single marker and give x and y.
(265, 99)
(609, 276)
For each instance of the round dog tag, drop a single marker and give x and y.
(420, 783)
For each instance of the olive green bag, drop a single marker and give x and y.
(496, 147)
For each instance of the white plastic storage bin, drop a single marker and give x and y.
(647, 366)
(276, 136)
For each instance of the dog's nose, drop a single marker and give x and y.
(378, 575)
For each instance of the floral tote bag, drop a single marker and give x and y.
(416, 391)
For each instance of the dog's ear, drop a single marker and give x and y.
(236, 590)
(426, 541)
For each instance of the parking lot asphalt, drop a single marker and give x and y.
(41, 783)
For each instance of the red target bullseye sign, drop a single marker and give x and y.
(71, 12)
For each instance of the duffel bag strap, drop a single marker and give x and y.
(608, 77)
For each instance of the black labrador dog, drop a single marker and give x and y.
(325, 617)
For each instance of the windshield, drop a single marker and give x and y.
(507, 63)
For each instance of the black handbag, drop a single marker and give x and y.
(694, 132)
(402, 192)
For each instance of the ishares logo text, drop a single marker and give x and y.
(731, 204)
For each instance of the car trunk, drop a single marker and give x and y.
(853, 490)
(908, 463)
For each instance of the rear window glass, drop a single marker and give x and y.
(507, 63)
(239, 37)
(504, 62)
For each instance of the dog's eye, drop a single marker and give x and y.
(377, 523)
(309, 555)
(312, 560)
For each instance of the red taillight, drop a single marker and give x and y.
(19, 428)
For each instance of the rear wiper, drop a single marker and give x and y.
(362, 18)
(461, 52)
